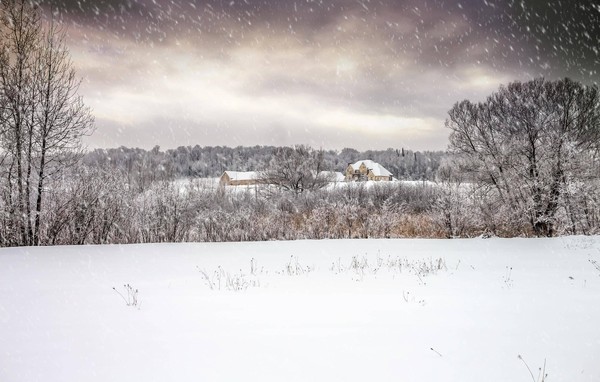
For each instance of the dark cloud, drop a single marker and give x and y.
(268, 59)
(550, 38)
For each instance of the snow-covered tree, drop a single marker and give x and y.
(530, 141)
(296, 169)
(42, 119)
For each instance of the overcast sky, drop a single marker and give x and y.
(331, 74)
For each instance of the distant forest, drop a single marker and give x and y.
(206, 162)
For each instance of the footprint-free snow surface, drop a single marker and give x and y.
(334, 310)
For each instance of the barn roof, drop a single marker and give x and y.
(242, 175)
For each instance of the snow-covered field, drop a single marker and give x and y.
(347, 310)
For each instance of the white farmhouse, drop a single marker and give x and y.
(364, 170)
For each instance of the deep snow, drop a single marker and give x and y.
(417, 310)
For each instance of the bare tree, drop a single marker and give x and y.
(42, 118)
(296, 169)
(19, 33)
(528, 141)
(60, 119)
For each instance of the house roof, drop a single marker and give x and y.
(378, 170)
(242, 175)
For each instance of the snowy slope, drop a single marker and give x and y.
(402, 310)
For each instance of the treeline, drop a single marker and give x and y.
(91, 206)
(144, 166)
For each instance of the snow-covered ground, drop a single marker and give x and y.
(347, 310)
